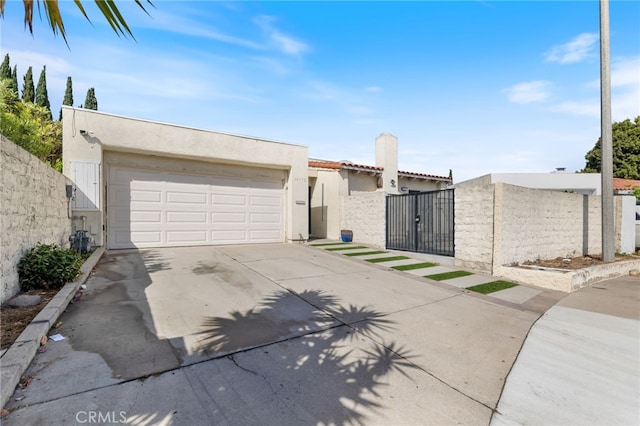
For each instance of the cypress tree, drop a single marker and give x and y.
(68, 96)
(90, 102)
(42, 97)
(5, 68)
(13, 84)
(28, 89)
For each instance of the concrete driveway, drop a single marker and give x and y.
(270, 334)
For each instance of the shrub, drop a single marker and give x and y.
(48, 266)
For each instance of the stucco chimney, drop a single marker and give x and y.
(387, 157)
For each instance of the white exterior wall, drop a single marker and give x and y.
(582, 183)
(387, 157)
(327, 190)
(626, 223)
(115, 133)
(535, 224)
(364, 214)
(420, 185)
(362, 182)
(473, 212)
(501, 225)
(33, 209)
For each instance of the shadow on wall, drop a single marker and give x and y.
(344, 375)
(318, 222)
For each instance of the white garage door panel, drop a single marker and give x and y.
(181, 237)
(264, 218)
(265, 201)
(186, 217)
(158, 209)
(149, 237)
(221, 218)
(139, 216)
(229, 236)
(141, 196)
(262, 235)
(186, 198)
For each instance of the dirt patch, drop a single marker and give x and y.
(13, 321)
(575, 262)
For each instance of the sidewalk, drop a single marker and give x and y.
(580, 364)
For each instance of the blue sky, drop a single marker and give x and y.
(476, 87)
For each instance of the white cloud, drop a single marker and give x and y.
(578, 49)
(625, 72)
(590, 108)
(188, 21)
(625, 92)
(528, 92)
(373, 89)
(285, 43)
(625, 88)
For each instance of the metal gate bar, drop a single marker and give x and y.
(422, 222)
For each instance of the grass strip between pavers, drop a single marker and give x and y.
(448, 275)
(414, 266)
(492, 287)
(387, 259)
(365, 253)
(327, 244)
(346, 248)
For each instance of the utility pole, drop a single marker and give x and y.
(606, 142)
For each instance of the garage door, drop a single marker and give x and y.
(164, 209)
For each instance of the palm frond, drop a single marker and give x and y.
(108, 8)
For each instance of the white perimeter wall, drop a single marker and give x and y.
(365, 215)
(500, 225)
(33, 209)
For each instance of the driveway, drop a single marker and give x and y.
(270, 334)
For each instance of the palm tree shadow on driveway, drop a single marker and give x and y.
(328, 376)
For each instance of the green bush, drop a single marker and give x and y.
(48, 266)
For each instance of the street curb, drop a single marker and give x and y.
(15, 360)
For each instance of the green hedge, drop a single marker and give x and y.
(48, 266)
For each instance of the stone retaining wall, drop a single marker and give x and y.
(33, 208)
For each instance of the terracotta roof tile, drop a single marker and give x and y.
(337, 165)
(622, 184)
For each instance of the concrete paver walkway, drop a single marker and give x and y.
(519, 294)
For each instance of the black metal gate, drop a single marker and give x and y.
(421, 222)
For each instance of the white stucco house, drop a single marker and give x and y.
(139, 183)
(343, 194)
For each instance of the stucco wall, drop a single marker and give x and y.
(111, 133)
(474, 225)
(360, 182)
(33, 208)
(499, 224)
(535, 224)
(327, 189)
(420, 185)
(364, 214)
(582, 183)
(625, 223)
